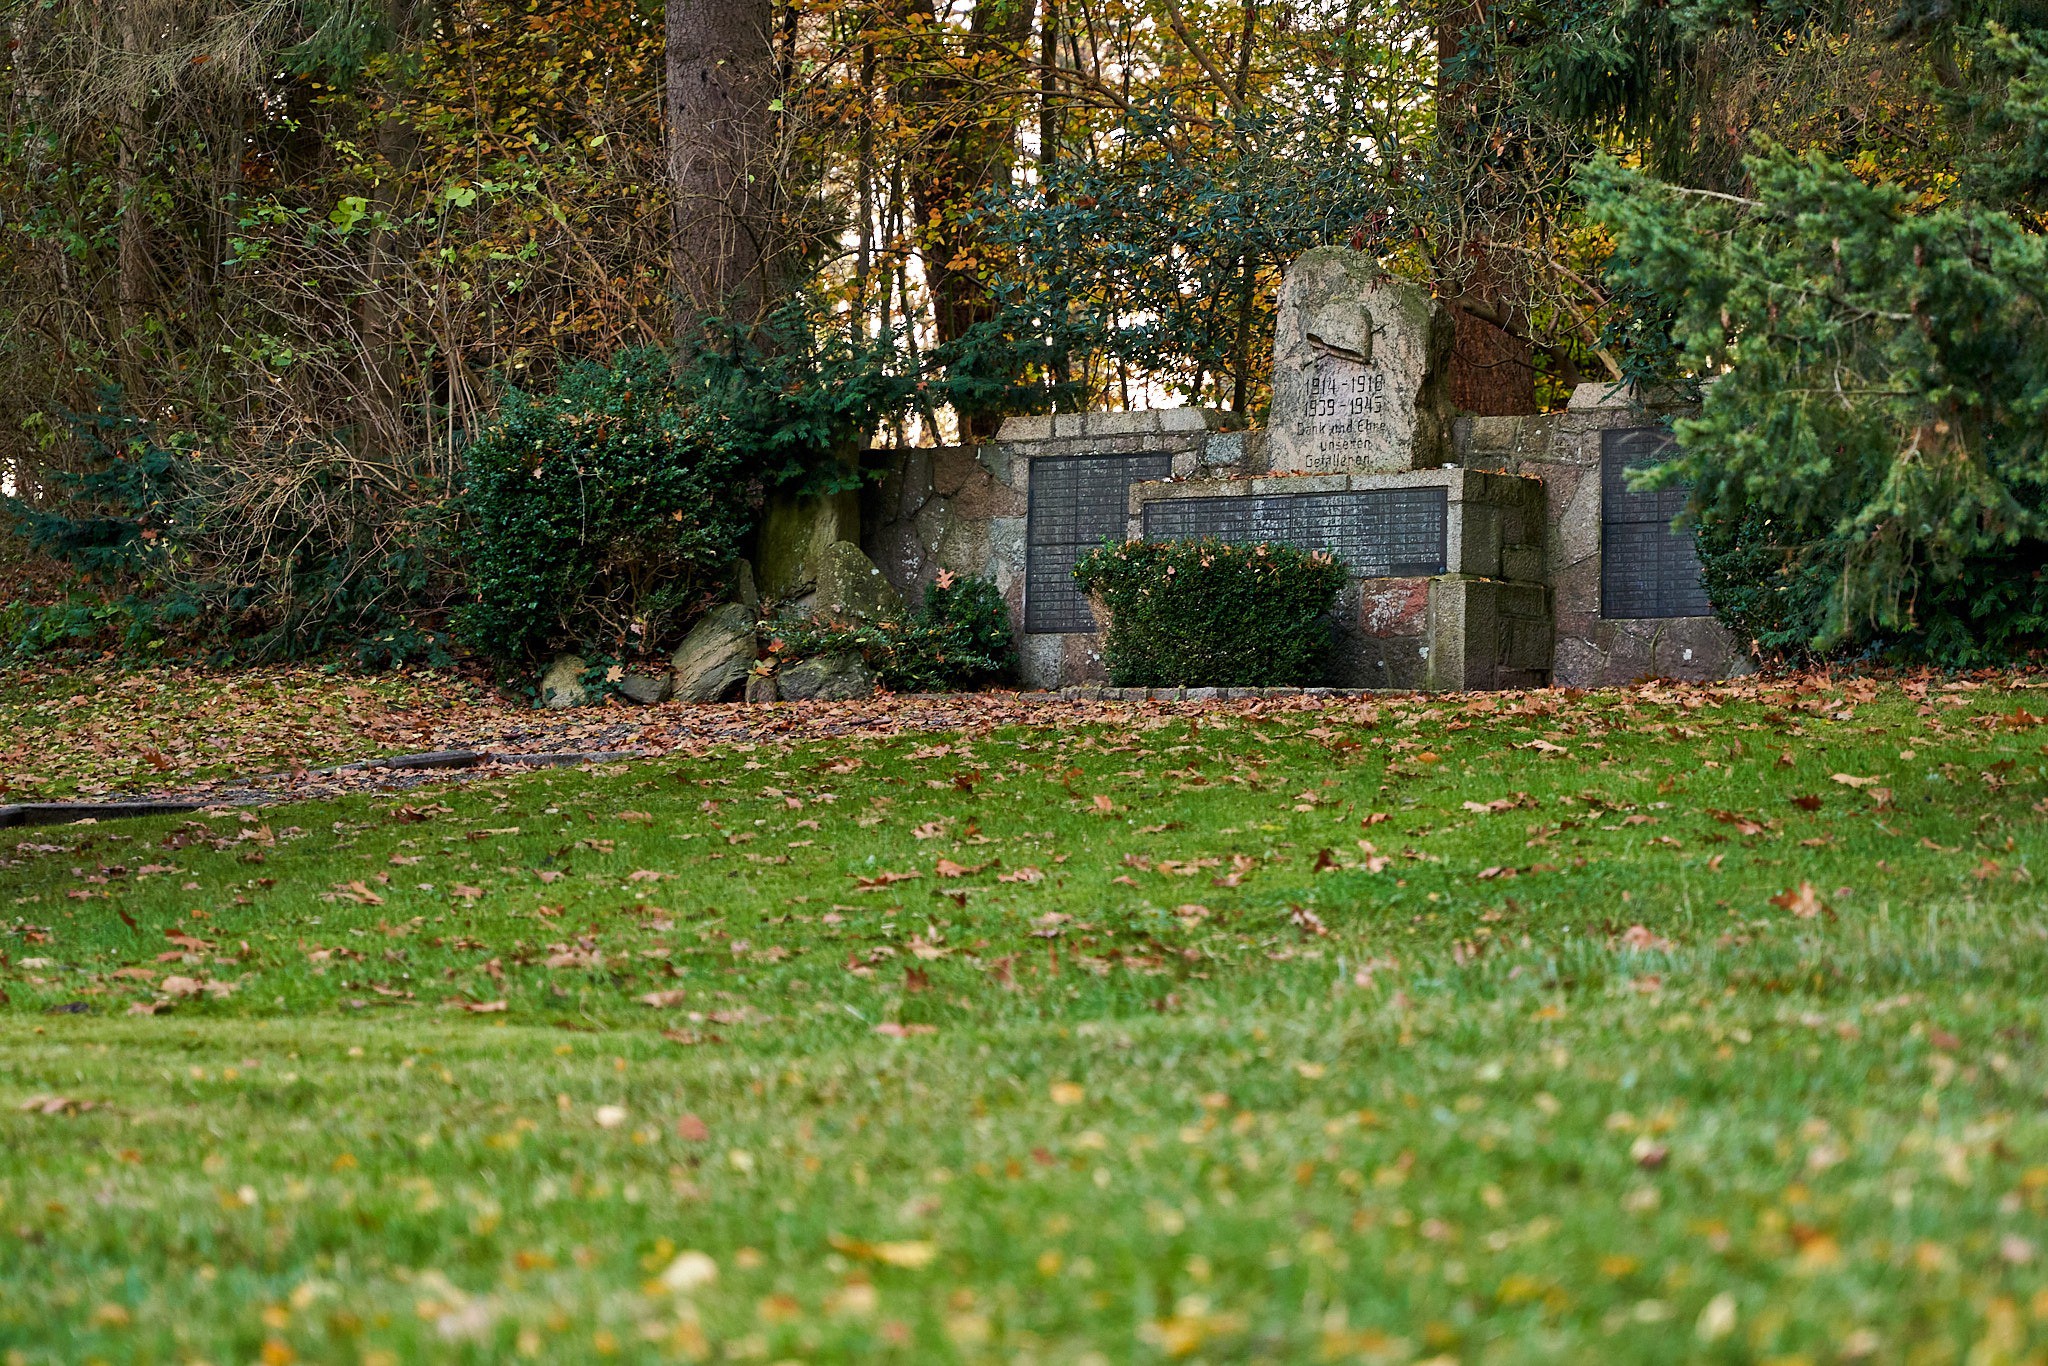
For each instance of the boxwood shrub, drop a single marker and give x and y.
(1205, 613)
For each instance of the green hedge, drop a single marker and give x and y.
(599, 518)
(1206, 614)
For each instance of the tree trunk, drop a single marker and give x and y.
(966, 153)
(131, 239)
(721, 84)
(1492, 368)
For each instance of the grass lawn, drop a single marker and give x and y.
(1661, 1025)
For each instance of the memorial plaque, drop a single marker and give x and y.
(1077, 502)
(1646, 568)
(1377, 533)
(1359, 370)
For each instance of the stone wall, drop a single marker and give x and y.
(964, 509)
(1563, 451)
(1483, 623)
(1518, 607)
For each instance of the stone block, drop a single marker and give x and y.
(561, 687)
(1526, 643)
(1360, 368)
(1493, 435)
(826, 678)
(1039, 660)
(1394, 607)
(851, 588)
(1187, 419)
(1131, 422)
(716, 654)
(1185, 463)
(1477, 546)
(1602, 394)
(1301, 483)
(1224, 449)
(1521, 562)
(1025, 429)
(913, 483)
(647, 689)
(761, 689)
(793, 536)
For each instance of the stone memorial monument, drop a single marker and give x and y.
(1360, 382)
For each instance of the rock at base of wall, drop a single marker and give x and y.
(716, 654)
(647, 689)
(561, 687)
(761, 689)
(793, 537)
(851, 588)
(826, 678)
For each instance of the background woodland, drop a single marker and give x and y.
(269, 269)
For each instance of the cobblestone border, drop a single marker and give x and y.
(1105, 694)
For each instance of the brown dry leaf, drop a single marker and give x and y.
(1803, 902)
(664, 1000)
(636, 817)
(645, 875)
(691, 1129)
(1307, 921)
(485, 1007)
(947, 868)
(929, 830)
(1743, 824)
(358, 893)
(56, 1105)
(1103, 805)
(465, 893)
(1024, 874)
(1519, 799)
(1544, 747)
(889, 1029)
(884, 879)
(1851, 780)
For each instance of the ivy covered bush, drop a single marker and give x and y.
(1208, 614)
(958, 638)
(598, 517)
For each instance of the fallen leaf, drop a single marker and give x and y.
(1803, 902)
(689, 1271)
(1851, 780)
(889, 1029)
(663, 1000)
(691, 1129)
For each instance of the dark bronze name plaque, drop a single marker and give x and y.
(1646, 568)
(1377, 533)
(1077, 503)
